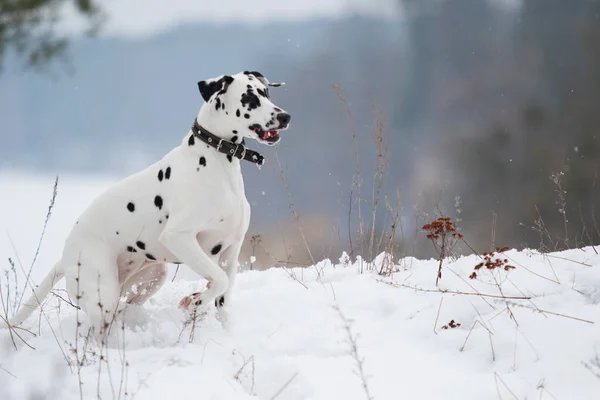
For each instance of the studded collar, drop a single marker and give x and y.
(226, 147)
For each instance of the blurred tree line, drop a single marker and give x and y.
(514, 98)
(28, 28)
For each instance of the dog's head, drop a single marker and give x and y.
(242, 104)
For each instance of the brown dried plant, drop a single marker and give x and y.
(452, 324)
(492, 261)
(443, 235)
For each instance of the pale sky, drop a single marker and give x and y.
(140, 18)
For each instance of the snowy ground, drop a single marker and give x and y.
(287, 340)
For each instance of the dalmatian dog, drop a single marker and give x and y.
(190, 207)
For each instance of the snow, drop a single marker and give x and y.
(286, 339)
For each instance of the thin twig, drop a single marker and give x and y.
(284, 386)
(37, 251)
(438, 315)
(539, 310)
(295, 214)
(447, 291)
(8, 372)
(497, 377)
(354, 352)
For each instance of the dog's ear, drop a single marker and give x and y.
(255, 73)
(211, 86)
(262, 78)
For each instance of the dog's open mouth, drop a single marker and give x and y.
(268, 136)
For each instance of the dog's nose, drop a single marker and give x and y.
(284, 120)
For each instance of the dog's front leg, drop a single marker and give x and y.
(185, 247)
(230, 263)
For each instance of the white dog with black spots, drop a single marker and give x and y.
(190, 207)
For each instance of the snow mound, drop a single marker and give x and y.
(528, 332)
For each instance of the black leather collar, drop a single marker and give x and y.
(236, 150)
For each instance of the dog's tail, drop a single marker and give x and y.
(36, 298)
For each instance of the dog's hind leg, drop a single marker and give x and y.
(92, 279)
(144, 283)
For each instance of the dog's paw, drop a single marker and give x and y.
(185, 303)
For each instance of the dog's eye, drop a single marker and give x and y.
(264, 93)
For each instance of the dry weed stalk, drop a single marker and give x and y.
(562, 203)
(443, 235)
(388, 266)
(378, 175)
(254, 241)
(194, 317)
(593, 366)
(248, 361)
(418, 289)
(294, 213)
(37, 251)
(354, 352)
(285, 385)
(357, 181)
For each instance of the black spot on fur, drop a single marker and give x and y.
(131, 207)
(247, 116)
(217, 103)
(215, 250)
(117, 232)
(203, 161)
(131, 249)
(150, 257)
(220, 301)
(191, 140)
(234, 139)
(160, 175)
(168, 173)
(198, 302)
(160, 221)
(167, 216)
(234, 131)
(237, 113)
(230, 158)
(250, 100)
(158, 202)
(141, 244)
